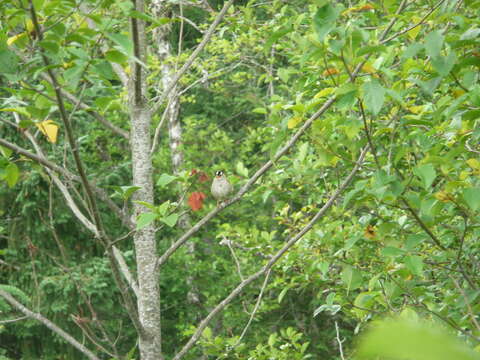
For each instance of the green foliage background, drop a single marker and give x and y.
(403, 237)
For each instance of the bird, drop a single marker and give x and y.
(221, 188)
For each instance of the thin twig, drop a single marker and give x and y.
(471, 313)
(420, 22)
(92, 203)
(367, 133)
(255, 309)
(39, 317)
(193, 56)
(245, 188)
(422, 224)
(339, 341)
(235, 292)
(237, 263)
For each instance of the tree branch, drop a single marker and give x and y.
(37, 316)
(60, 170)
(203, 324)
(193, 56)
(92, 204)
(162, 259)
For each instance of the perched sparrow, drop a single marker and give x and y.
(221, 188)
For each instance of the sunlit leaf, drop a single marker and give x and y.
(374, 96)
(49, 129)
(145, 219)
(472, 198)
(324, 20)
(398, 339)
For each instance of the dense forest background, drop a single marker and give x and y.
(350, 131)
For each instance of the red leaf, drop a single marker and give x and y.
(203, 177)
(195, 201)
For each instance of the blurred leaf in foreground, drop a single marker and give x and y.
(412, 340)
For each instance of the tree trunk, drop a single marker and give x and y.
(144, 239)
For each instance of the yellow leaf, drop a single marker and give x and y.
(416, 109)
(294, 121)
(412, 34)
(324, 92)
(358, 9)
(334, 160)
(370, 232)
(443, 196)
(330, 71)
(473, 163)
(463, 175)
(368, 68)
(29, 25)
(14, 38)
(49, 129)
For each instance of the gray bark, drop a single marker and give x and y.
(164, 50)
(148, 300)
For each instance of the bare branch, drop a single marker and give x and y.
(420, 22)
(203, 324)
(92, 204)
(60, 170)
(471, 313)
(125, 270)
(162, 259)
(37, 316)
(422, 224)
(74, 100)
(255, 309)
(193, 56)
(339, 341)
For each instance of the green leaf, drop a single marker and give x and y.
(128, 191)
(165, 179)
(50, 46)
(404, 339)
(426, 173)
(19, 110)
(371, 49)
(163, 208)
(146, 204)
(6, 152)
(345, 89)
(351, 277)
(472, 198)
(12, 173)
(392, 251)
(284, 30)
(241, 169)
(414, 264)
(260, 110)
(8, 62)
(443, 64)
(434, 43)
(170, 220)
(374, 96)
(116, 56)
(145, 219)
(411, 51)
(324, 20)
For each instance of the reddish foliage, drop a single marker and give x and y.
(195, 201)
(203, 177)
